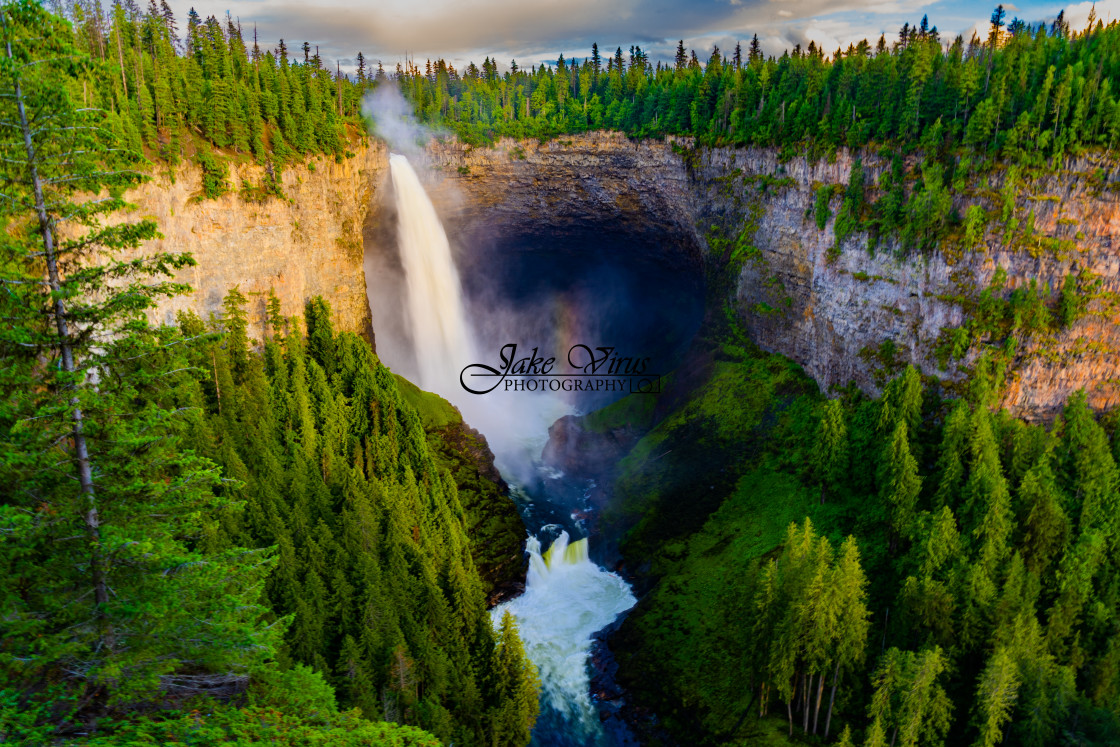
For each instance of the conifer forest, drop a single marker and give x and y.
(806, 422)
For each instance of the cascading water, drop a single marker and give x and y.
(442, 341)
(567, 597)
(441, 338)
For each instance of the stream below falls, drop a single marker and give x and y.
(567, 599)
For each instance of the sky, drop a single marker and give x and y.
(533, 32)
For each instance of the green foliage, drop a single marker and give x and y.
(884, 359)
(928, 209)
(1073, 304)
(270, 185)
(909, 696)
(974, 223)
(1031, 96)
(849, 219)
(215, 176)
(733, 414)
(299, 690)
(434, 410)
(103, 503)
(375, 566)
(495, 529)
(821, 210)
(982, 535)
(257, 727)
(176, 98)
(831, 452)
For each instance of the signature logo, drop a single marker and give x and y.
(599, 369)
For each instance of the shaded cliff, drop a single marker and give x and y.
(614, 194)
(306, 244)
(855, 317)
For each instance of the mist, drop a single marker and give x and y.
(392, 121)
(424, 331)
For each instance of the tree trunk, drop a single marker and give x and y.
(77, 435)
(789, 713)
(831, 699)
(820, 694)
(806, 702)
(120, 58)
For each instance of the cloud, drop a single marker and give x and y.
(536, 31)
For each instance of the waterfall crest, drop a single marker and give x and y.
(441, 337)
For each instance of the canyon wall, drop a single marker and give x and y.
(831, 314)
(306, 244)
(673, 202)
(603, 187)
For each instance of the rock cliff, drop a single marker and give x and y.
(308, 244)
(832, 315)
(663, 201)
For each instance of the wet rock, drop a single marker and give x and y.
(574, 449)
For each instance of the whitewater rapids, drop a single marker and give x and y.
(567, 598)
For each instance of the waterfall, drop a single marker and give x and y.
(567, 598)
(443, 342)
(441, 337)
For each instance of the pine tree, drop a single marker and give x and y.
(899, 484)
(518, 685)
(996, 695)
(830, 454)
(93, 465)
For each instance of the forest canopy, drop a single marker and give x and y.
(1026, 91)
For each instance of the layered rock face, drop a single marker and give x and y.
(833, 315)
(612, 192)
(830, 315)
(663, 201)
(306, 245)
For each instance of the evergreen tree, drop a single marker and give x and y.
(830, 457)
(899, 485)
(94, 462)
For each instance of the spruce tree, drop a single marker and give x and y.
(830, 454)
(104, 507)
(899, 484)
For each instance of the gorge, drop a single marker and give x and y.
(667, 400)
(672, 202)
(628, 216)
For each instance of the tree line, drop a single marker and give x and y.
(173, 91)
(1034, 92)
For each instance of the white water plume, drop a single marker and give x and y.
(441, 338)
(432, 341)
(567, 598)
(393, 120)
